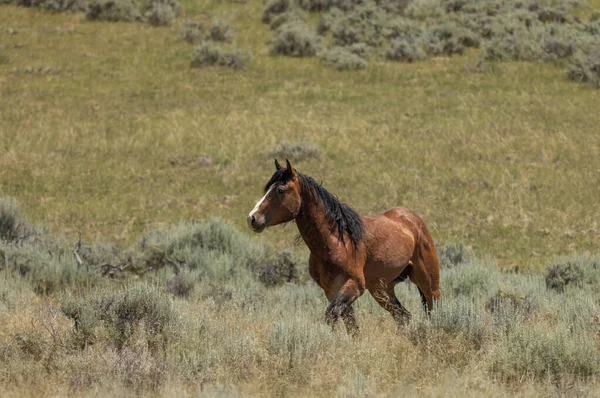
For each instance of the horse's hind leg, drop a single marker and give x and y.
(425, 273)
(386, 298)
(350, 321)
(423, 300)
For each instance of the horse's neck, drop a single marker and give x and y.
(314, 228)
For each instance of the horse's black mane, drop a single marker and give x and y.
(342, 218)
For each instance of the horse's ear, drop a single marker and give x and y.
(290, 168)
(277, 165)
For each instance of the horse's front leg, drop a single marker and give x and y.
(341, 299)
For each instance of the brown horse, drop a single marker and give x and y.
(350, 253)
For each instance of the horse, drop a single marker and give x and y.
(350, 253)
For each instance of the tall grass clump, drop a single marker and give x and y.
(207, 54)
(295, 39)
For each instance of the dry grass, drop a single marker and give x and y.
(107, 131)
(248, 343)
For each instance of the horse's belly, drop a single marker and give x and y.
(382, 271)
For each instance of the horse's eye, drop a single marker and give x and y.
(280, 191)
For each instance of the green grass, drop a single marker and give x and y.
(104, 126)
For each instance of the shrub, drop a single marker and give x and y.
(209, 55)
(347, 5)
(121, 313)
(220, 31)
(54, 5)
(458, 317)
(275, 7)
(520, 303)
(295, 40)
(537, 353)
(586, 68)
(314, 5)
(327, 20)
(297, 151)
(402, 28)
(191, 32)
(84, 314)
(452, 254)
(213, 248)
(280, 268)
(294, 342)
(342, 58)
(114, 11)
(12, 228)
(405, 49)
(360, 49)
(161, 12)
(592, 28)
(31, 344)
(182, 284)
(575, 271)
(552, 14)
(396, 7)
(64, 5)
(424, 9)
(364, 24)
(449, 39)
(292, 16)
(559, 275)
(472, 280)
(557, 48)
(512, 47)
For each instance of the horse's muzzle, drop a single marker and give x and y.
(256, 225)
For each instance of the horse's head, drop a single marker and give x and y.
(281, 202)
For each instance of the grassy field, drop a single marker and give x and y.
(106, 131)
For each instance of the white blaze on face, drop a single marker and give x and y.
(259, 203)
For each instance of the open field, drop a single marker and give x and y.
(106, 131)
(108, 138)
